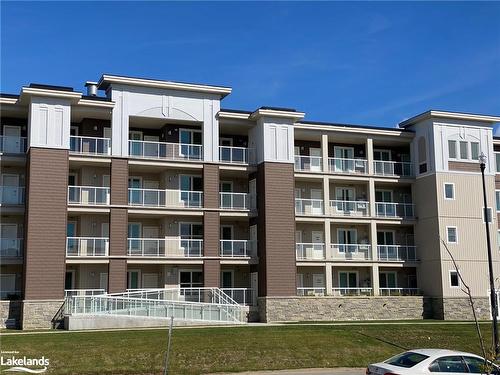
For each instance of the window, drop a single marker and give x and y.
(489, 217)
(452, 364)
(451, 234)
(464, 154)
(497, 160)
(449, 191)
(497, 196)
(474, 150)
(422, 155)
(454, 279)
(475, 365)
(452, 149)
(407, 359)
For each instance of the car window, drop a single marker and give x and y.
(475, 365)
(448, 364)
(407, 359)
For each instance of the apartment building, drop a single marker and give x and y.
(144, 183)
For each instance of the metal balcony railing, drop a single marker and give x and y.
(399, 291)
(396, 253)
(165, 198)
(352, 291)
(243, 296)
(310, 251)
(311, 291)
(235, 155)
(83, 292)
(351, 166)
(396, 210)
(355, 252)
(89, 145)
(236, 248)
(393, 168)
(12, 145)
(87, 246)
(305, 163)
(309, 207)
(11, 247)
(165, 150)
(165, 247)
(349, 208)
(12, 195)
(88, 195)
(234, 201)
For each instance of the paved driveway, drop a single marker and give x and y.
(317, 371)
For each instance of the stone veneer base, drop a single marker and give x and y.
(10, 314)
(42, 314)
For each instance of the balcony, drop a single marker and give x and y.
(310, 251)
(310, 207)
(90, 145)
(88, 195)
(351, 252)
(243, 296)
(235, 155)
(165, 247)
(349, 208)
(397, 253)
(395, 210)
(352, 291)
(11, 247)
(234, 201)
(350, 166)
(399, 291)
(12, 195)
(165, 198)
(236, 248)
(12, 145)
(393, 168)
(165, 150)
(87, 246)
(302, 291)
(83, 292)
(305, 163)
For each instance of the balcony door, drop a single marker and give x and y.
(317, 244)
(69, 280)
(388, 279)
(134, 242)
(190, 186)
(317, 201)
(387, 209)
(345, 199)
(345, 238)
(348, 279)
(386, 242)
(11, 139)
(318, 280)
(11, 193)
(315, 154)
(9, 243)
(190, 235)
(187, 138)
(136, 146)
(379, 157)
(133, 279)
(344, 159)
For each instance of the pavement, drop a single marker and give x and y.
(306, 371)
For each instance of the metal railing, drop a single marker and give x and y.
(343, 165)
(244, 296)
(12, 194)
(392, 168)
(399, 291)
(354, 252)
(310, 251)
(310, 291)
(351, 291)
(83, 292)
(89, 145)
(164, 247)
(396, 253)
(165, 198)
(11, 247)
(312, 207)
(235, 155)
(10, 294)
(165, 150)
(308, 163)
(88, 195)
(12, 145)
(87, 246)
(233, 201)
(236, 248)
(390, 209)
(349, 208)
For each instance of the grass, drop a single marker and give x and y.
(204, 350)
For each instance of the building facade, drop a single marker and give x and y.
(151, 184)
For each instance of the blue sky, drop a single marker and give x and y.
(364, 63)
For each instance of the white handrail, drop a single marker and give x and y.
(397, 253)
(352, 291)
(234, 155)
(83, 292)
(87, 246)
(399, 291)
(392, 168)
(354, 252)
(346, 165)
(88, 195)
(244, 296)
(311, 291)
(308, 163)
(165, 198)
(90, 145)
(349, 208)
(310, 251)
(165, 150)
(305, 206)
(165, 247)
(235, 248)
(234, 201)
(392, 209)
(12, 194)
(12, 145)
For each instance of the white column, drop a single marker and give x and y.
(324, 151)
(375, 279)
(369, 154)
(371, 197)
(326, 195)
(373, 240)
(119, 124)
(210, 130)
(328, 278)
(328, 239)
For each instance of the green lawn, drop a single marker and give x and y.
(203, 350)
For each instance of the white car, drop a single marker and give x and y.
(431, 361)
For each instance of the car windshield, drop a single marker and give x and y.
(407, 359)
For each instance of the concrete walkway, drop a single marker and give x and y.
(305, 371)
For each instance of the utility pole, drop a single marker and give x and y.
(167, 355)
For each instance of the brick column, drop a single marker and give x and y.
(210, 186)
(211, 245)
(118, 227)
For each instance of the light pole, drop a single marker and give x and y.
(493, 296)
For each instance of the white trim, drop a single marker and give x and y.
(453, 191)
(456, 234)
(449, 279)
